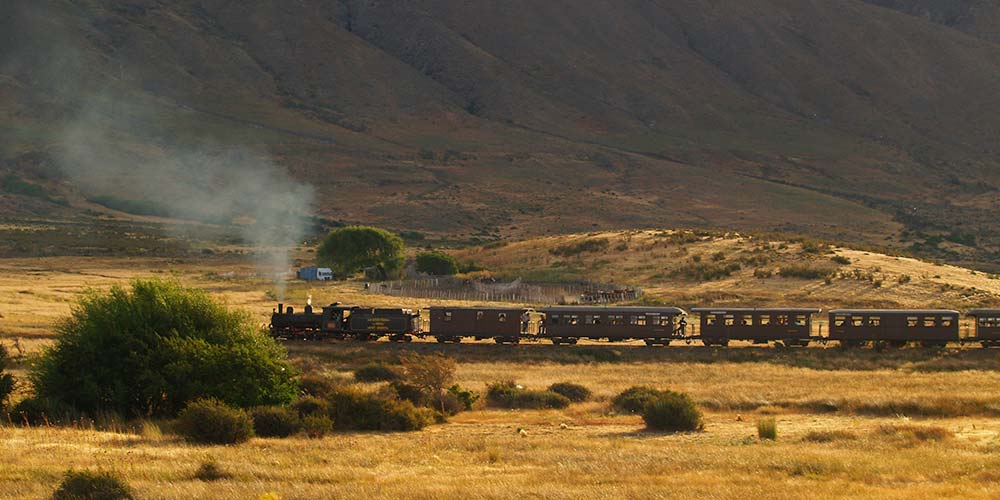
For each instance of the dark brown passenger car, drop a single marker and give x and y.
(897, 326)
(987, 326)
(505, 325)
(792, 326)
(655, 325)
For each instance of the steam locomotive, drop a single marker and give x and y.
(654, 325)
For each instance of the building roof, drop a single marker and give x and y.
(895, 311)
(793, 310)
(604, 309)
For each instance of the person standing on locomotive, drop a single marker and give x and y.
(682, 327)
(525, 321)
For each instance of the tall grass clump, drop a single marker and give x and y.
(210, 421)
(210, 470)
(87, 485)
(148, 349)
(508, 394)
(573, 392)
(767, 428)
(672, 412)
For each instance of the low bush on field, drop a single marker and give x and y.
(672, 412)
(573, 392)
(465, 397)
(840, 259)
(767, 428)
(634, 399)
(912, 435)
(210, 421)
(86, 485)
(376, 373)
(706, 271)
(829, 436)
(804, 272)
(317, 426)
(43, 411)
(585, 246)
(320, 386)
(6, 379)
(509, 395)
(275, 421)
(353, 409)
(210, 470)
(311, 406)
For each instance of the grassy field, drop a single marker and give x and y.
(851, 424)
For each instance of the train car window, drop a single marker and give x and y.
(874, 320)
(946, 320)
(782, 319)
(730, 320)
(479, 315)
(633, 320)
(711, 319)
(588, 319)
(502, 317)
(616, 319)
(665, 320)
(555, 319)
(839, 320)
(746, 320)
(912, 321)
(447, 315)
(764, 320)
(929, 321)
(857, 321)
(574, 319)
(800, 320)
(640, 320)
(597, 319)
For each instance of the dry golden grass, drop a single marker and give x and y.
(900, 424)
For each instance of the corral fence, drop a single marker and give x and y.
(517, 291)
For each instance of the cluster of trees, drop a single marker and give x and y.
(353, 249)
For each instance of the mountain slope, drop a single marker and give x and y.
(843, 119)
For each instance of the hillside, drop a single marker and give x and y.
(692, 268)
(855, 121)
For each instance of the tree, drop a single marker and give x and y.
(6, 379)
(148, 350)
(351, 249)
(437, 263)
(431, 373)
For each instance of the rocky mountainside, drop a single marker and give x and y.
(871, 121)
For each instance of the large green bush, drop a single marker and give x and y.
(437, 263)
(574, 392)
(6, 379)
(85, 485)
(351, 249)
(148, 349)
(634, 399)
(508, 394)
(275, 421)
(672, 412)
(210, 421)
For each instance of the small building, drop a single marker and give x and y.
(313, 273)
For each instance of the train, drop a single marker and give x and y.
(656, 326)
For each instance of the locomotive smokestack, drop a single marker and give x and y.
(281, 308)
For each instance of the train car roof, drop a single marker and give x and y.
(983, 312)
(807, 310)
(604, 309)
(893, 311)
(484, 308)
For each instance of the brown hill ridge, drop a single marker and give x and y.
(850, 120)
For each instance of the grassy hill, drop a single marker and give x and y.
(691, 268)
(856, 121)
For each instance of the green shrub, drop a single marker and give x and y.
(840, 259)
(634, 399)
(317, 385)
(672, 412)
(446, 404)
(317, 426)
(409, 392)
(353, 409)
(210, 421)
(465, 397)
(585, 246)
(574, 392)
(509, 395)
(804, 272)
(376, 373)
(44, 411)
(147, 350)
(437, 264)
(210, 470)
(275, 421)
(85, 485)
(311, 406)
(6, 379)
(767, 428)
